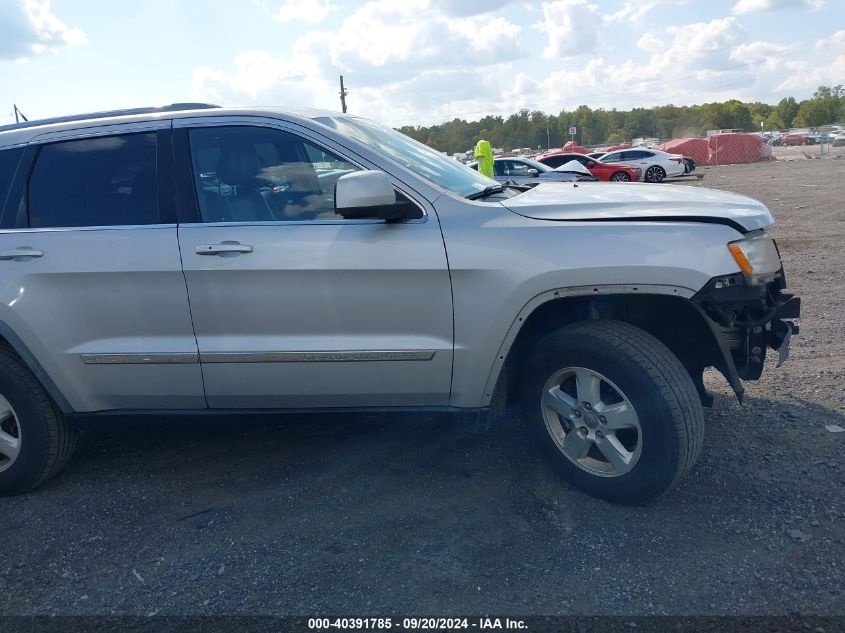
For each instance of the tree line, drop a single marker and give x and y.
(537, 129)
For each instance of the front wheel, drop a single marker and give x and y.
(620, 176)
(615, 409)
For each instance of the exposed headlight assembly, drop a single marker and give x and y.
(757, 257)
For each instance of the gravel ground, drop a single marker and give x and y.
(413, 514)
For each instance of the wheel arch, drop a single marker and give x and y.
(10, 339)
(665, 312)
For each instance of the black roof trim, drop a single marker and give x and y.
(173, 107)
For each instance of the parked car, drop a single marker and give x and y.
(189, 259)
(792, 139)
(603, 171)
(656, 165)
(527, 171)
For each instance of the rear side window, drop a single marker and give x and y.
(104, 181)
(554, 161)
(9, 159)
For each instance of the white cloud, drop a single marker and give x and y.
(687, 64)
(256, 73)
(395, 58)
(313, 11)
(650, 43)
(469, 7)
(743, 7)
(426, 61)
(834, 42)
(634, 12)
(29, 27)
(572, 27)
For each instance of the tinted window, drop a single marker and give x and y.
(254, 174)
(611, 158)
(8, 164)
(105, 181)
(555, 161)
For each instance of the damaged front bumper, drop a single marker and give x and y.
(746, 320)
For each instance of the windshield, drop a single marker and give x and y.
(420, 159)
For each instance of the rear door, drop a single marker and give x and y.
(90, 274)
(294, 306)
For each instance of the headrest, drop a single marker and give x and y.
(238, 163)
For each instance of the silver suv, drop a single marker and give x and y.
(197, 258)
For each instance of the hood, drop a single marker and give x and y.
(615, 201)
(574, 166)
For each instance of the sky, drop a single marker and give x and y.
(414, 62)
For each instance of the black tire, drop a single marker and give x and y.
(620, 176)
(47, 439)
(656, 384)
(655, 173)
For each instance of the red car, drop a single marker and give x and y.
(603, 171)
(792, 139)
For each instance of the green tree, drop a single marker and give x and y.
(787, 108)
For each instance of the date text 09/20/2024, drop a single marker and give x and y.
(386, 624)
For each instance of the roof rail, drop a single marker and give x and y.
(173, 107)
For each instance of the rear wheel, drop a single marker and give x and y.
(620, 176)
(655, 173)
(615, 410)
(35, 439)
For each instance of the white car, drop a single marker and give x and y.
(655, 165)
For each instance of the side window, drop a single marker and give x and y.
(255, 174)
(517, 168)
(610, 158)
(632, 155)
(555, 161)
(9, 159)
(103, 181)
(499, 168)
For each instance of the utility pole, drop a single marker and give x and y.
(343, 93)
(18, 114)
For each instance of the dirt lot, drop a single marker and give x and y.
(380, 515)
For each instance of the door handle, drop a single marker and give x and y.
(20, 251)
(223, 247)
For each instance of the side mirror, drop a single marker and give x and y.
(591, 163)
(368, 195)
(533, 172)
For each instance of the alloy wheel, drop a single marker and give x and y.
(592, 422)
(10, 435)
(654, 174)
